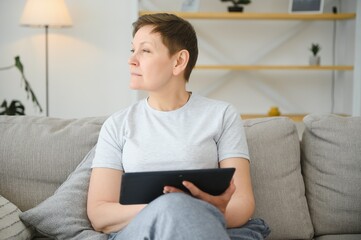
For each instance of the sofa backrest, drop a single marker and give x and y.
(331, 164)
(276, 177)
(49, 148)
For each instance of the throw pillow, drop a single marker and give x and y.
(331, 163)
(63, 215)
(37, 154)
(11, 227)
(276, 177)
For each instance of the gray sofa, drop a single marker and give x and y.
(307, 189)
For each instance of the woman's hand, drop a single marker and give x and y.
(220, 201)
(237, 202)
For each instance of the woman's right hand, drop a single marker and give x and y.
(220, 201)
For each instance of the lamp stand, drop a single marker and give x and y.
(46, 14)
(46, 70)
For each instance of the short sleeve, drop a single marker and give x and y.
(232, 141)
(109, 147)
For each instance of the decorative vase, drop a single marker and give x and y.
(315, 60)
(274, 111)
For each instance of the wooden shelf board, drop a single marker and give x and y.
(259, 16)
(294, 117)
(297, 117)
(273, 67)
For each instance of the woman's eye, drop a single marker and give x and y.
(143, 50)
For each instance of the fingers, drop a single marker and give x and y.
(170, 189)
(196, 192)
(220, 201)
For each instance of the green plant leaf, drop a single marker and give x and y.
(28, 88)
(19, 65)
(15, 108)
(15, 104)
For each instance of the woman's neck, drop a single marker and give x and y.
(168, 101)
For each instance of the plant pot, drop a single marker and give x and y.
(315, 60)
(235, 9)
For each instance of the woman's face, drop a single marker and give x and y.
(151, 67)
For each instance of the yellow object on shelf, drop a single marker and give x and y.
(274, 112)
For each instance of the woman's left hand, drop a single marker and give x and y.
(220, 201)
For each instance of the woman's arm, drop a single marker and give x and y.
(105, 212)
(242, 205)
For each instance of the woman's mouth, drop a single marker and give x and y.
(135, 74)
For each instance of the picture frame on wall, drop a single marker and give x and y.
(306, 6)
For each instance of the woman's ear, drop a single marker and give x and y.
(181, 61)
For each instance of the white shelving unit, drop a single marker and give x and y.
(356, 108)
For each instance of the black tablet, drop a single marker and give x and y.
(144, 187)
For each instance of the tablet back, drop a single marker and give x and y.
(144, 187)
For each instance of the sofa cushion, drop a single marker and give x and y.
(276, 176)
(11, 227)
(331, 163)
(341, 236)
(50, 148)
(63, 215)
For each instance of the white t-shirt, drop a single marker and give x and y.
(198, 135)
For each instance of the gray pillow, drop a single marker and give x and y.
(37, 154)
(276, 177)
(11, 227)
(331, 163)
(63, 215)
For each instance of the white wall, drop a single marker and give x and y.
(88, 71)
(88, 68)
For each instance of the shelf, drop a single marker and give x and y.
(293, 117)
(296, 117)
(272, 67)
(254, 65)
(259, 16)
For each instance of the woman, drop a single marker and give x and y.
(171, 129)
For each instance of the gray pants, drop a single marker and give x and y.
(178, 216)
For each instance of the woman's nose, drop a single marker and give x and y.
(133, 60)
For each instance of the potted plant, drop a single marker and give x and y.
(15, 107)
(314, 58)
(236, 3)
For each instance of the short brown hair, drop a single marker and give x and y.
(176, 34)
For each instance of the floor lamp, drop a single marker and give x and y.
(46, 13)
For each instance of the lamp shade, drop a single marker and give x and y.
(51, 13)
